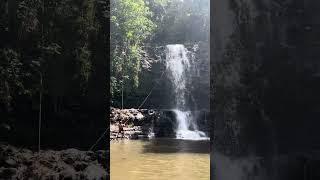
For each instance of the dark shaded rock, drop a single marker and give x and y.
(80, 166)
(95, 172)
(7, 172)
(70, 156)
(46, 163)
(65, 164)
(133, 136)
(139, 123)
(68, 173)
(102, 158)
(91, 155)
(10, 163)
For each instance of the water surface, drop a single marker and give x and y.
(159, 159)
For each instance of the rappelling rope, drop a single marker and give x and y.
(145, 99)
(91, 148)
(150, 92)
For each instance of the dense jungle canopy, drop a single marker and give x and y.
(59, 40)
(60, 50)
(139, 28)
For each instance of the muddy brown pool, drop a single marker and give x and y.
(159, 159)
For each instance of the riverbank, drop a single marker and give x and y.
(21, 163)
(146, 123)
(132, 123)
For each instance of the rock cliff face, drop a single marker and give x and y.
(265, 84)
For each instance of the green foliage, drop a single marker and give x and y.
(132, 19)
(51, 38)
(11, 75)
(131, 25)
(138, 27)
(61, 40)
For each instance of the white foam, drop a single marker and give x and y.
(178, 66)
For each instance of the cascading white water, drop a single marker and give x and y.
(178, 66)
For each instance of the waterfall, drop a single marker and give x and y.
(178, 68)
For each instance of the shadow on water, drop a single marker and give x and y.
(166, 145)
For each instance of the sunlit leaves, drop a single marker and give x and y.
(131, 25)
(133, 18)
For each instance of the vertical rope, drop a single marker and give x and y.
(40, 93)
(40, 106)
(122, 93)
(91, 148)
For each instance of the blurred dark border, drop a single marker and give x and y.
(79, 121)
(265, 89)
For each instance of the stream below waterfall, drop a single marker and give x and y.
(186, 157)
(160, 159)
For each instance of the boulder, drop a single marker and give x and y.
(10, 163)
(95, 171)
(49, 164)
(7, 173)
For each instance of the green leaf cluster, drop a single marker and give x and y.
(131, 26)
